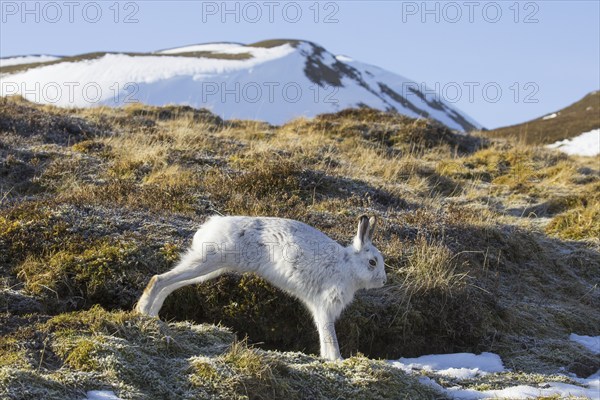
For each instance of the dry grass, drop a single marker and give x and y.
(488, 243)
(582, 222)
(432, 267)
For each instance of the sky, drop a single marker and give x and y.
(501, 62)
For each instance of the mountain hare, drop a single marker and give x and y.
(291, 255)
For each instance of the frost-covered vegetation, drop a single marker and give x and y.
(489, 246)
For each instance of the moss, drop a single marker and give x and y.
(90, 273)
(49, 251)
(93, 265)
(103, 271)
(171, 252)
(10, 353)
(82, 355)
(29, 228)
(203, 371)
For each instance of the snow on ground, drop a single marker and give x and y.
(224, 48)
(343, 58)
(586, 144)
(592, 343)
(214, 47)
(467, 365)
(459, 365)
(545, 390)
(553, 115)
(5, 62)
(101, 395)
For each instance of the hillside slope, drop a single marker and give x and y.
(273, 81)
(580, 117)
(490, 246)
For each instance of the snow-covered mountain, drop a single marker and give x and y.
(275, 81)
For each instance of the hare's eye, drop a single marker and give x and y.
(372, 262)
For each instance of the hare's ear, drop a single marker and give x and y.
(362, 235)
(372, 224)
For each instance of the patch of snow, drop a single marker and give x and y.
(553, 115)
(467, 365)
(5, 62)
(101, 395)
(458, 365)
(213, 47)
(343, 58)
(586, 144)
(592, 343)
(260, 52)
(544, 390)
(228, 48)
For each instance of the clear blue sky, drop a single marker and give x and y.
(542, 55)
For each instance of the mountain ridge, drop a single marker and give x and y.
(253, 81)
(568, 122)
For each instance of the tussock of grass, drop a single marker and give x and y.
(578, 223)
(91, 274)
(431, 267)
(71, 261)
(29, 228)
(49, 125)
(172, 112)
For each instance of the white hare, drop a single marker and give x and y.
(291, 255)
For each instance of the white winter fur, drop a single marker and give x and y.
(291, 255)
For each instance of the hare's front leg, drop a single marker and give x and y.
(327, 336)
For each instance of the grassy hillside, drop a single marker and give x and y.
(489, 246)
(582, 116)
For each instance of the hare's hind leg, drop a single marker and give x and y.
(191, 268)
(167, 290)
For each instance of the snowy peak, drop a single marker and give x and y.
(274, 80)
